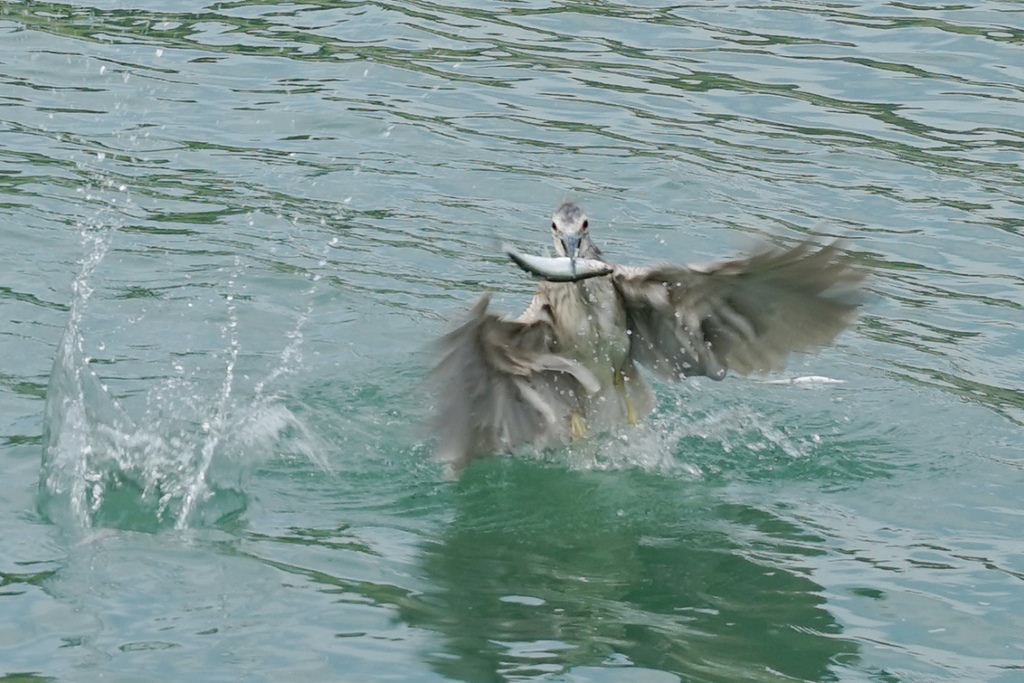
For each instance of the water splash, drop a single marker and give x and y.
(185, 459)
(694, 438)
(67, 397)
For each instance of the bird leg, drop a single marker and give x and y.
(578, 426)
(620, 384)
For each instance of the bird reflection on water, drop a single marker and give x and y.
(569, 363)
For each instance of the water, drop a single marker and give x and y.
(232, 229)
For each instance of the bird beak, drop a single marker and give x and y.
(571, 244)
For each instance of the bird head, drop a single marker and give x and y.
(570, 231)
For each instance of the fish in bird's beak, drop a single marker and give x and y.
(560, 268)
(571, 243)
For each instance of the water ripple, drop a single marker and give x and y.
(305, 194)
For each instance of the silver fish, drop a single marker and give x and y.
(560, 268)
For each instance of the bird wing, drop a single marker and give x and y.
(744, 315)
(501, 383)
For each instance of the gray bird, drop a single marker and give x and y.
(568, 365)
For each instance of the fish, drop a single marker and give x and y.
(559, 268)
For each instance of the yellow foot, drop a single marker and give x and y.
(620, 383)
(631, 416)
(578, 426)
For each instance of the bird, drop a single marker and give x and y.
(569, 364)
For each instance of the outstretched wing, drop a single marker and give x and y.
(744, 315)
(500, 384)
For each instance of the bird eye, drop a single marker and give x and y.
(554, 227)
(586, 224)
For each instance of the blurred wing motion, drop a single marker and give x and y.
(744, 315)
(500, 384)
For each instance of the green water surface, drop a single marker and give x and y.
(230, 231)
